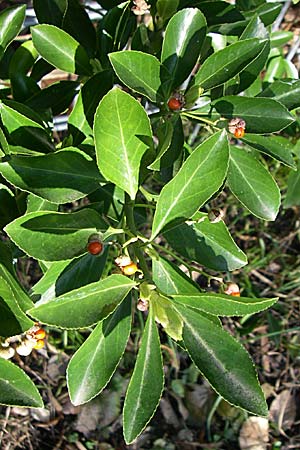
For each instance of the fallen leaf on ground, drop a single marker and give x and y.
(283, 410)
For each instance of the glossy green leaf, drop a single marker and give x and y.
(11, 312)
(141, 72)
(166, 8)
(60, 177)
(58, 97)
(166, 315)
(182, 43)
(272, 146)
(228, 62)
(82, 116)
(219, 12)
(225, 305)
(50, 11)
(52, 236)
(146, 384)
(23, 130)
(11, 21)
(64, 276)
(71, 16)
(210, 244)
(249, 75)
(170, 279)
(253, 185)
(35, 204)
(286, 92)
(21, 297)
(262, 115)
(200, 177)
(223, 362)
(171, 139)
(60, 49)
(93, 365)
(8, 206)
(122, 136)
(293, 189)
(23, 59)
(267, 12)
(280, 38)
(16, 388)
(84, 306)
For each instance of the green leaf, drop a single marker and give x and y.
(93, 365)
(122, 136)
(293, 189)
(8, 206)
(272, 146)
(23, 130)
(170, 279)
(146, 384)
(141, 72)
(50, 11)
(11, 21)
(64, 276)
(287, 92)
(200, 177)
(280, 38)
(171, 140)
(60, 49)
(71, 16)
(182, 43)
(58, 97)
(166, 8)
(35, 204)
(250, 74)
(228, 62)
(219, 12)
(18, 293)
(224, 305)
(223, 362)
(11, 312)
(262, 115)
(253, 185)
(23, 59)
(16, 388)
(210, 244)
(84, 306)
(166, 315)
(82, 116)
(267, 12)
(60, 177)
(52, 236)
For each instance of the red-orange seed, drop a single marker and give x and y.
(95, 247)
(174, 104)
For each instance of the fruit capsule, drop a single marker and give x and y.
(239, 133)
(95, 247)
(232, 289)
(130, 269)
(39, 344)
(174, 104)
(40, 334)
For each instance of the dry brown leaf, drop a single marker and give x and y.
(283, 410)
(169, 413)
(89, 417)
(254, 434)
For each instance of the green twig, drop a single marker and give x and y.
(128, 209)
